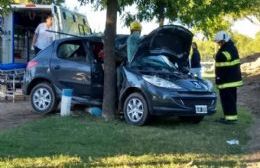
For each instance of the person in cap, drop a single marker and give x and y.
(228, 76)
(133, 39)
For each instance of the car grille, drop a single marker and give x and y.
(193, 102)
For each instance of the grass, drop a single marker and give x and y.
(84, 141)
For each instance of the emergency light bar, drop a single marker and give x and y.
(30, 5)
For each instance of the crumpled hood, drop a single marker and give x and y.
(171, 40)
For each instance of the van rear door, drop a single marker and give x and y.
(6, 38)
(69, 22)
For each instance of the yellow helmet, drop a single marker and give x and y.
(135, 26)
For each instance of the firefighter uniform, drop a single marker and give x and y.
(228, 78)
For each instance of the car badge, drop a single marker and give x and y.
(197, 85)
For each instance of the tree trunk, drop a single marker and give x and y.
(161, 21)
(109, 96)
(161, 10)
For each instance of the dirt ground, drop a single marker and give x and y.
(249, 96)
(12, 115)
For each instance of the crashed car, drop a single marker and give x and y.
(156, 82)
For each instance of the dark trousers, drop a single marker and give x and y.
(228, 99)
(36, 50)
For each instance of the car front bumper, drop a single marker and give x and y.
(179, 103)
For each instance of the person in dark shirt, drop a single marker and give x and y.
(195, 61)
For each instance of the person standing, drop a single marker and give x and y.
(42, 38)
(195, 60)
(133, 39)
(228, 76)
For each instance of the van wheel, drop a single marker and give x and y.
(135, 109)
(192, 119)
(43, 99)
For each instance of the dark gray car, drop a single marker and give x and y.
(156, 82)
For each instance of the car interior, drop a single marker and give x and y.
(72, 51)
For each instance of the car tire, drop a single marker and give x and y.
(135, 109)
(43, 98)
(192, 119)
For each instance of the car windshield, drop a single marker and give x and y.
(160, 62)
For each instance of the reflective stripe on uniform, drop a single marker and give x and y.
(227, 55)
(225, 64)
(231, 118)
(231, 84)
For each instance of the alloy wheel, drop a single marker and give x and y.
(42, 99)
(135, 109)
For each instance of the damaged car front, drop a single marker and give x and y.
(157, 81)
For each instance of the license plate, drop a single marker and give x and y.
(201, 109)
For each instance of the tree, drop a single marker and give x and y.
(109, 96)
(206, 15)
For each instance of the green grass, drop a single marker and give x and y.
(84, 141)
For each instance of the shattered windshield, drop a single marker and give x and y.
(159, 62)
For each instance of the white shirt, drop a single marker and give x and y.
(44, 38)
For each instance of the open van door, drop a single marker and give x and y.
(69, 22)
(6, 38)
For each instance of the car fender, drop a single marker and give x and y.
(36, 80)
(131, 83)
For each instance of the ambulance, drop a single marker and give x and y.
(18, 25)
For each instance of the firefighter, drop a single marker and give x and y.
(228, 76)
(133, 39)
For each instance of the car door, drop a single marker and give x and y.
(96, 48)
(70, 67)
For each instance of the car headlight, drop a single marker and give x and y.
(209, 85)
(156, 81)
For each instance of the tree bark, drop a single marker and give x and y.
(161, 21)
(161, 10)
(109, 96)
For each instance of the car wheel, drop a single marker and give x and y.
(135, 109)
(43, 99)
(192, 119)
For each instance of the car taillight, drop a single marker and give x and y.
(32, 64)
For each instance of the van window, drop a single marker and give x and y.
(81, 29)
(64, 15)
(73, 51)
(74, 18)
(55, 9)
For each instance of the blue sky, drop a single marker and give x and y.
(97, 21)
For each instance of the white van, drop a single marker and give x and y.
(18, 26)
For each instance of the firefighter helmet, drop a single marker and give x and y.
(135, 26)
(221, 36)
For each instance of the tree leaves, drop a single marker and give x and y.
(208, 16)
(5, 6)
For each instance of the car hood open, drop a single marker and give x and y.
(171, 40)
